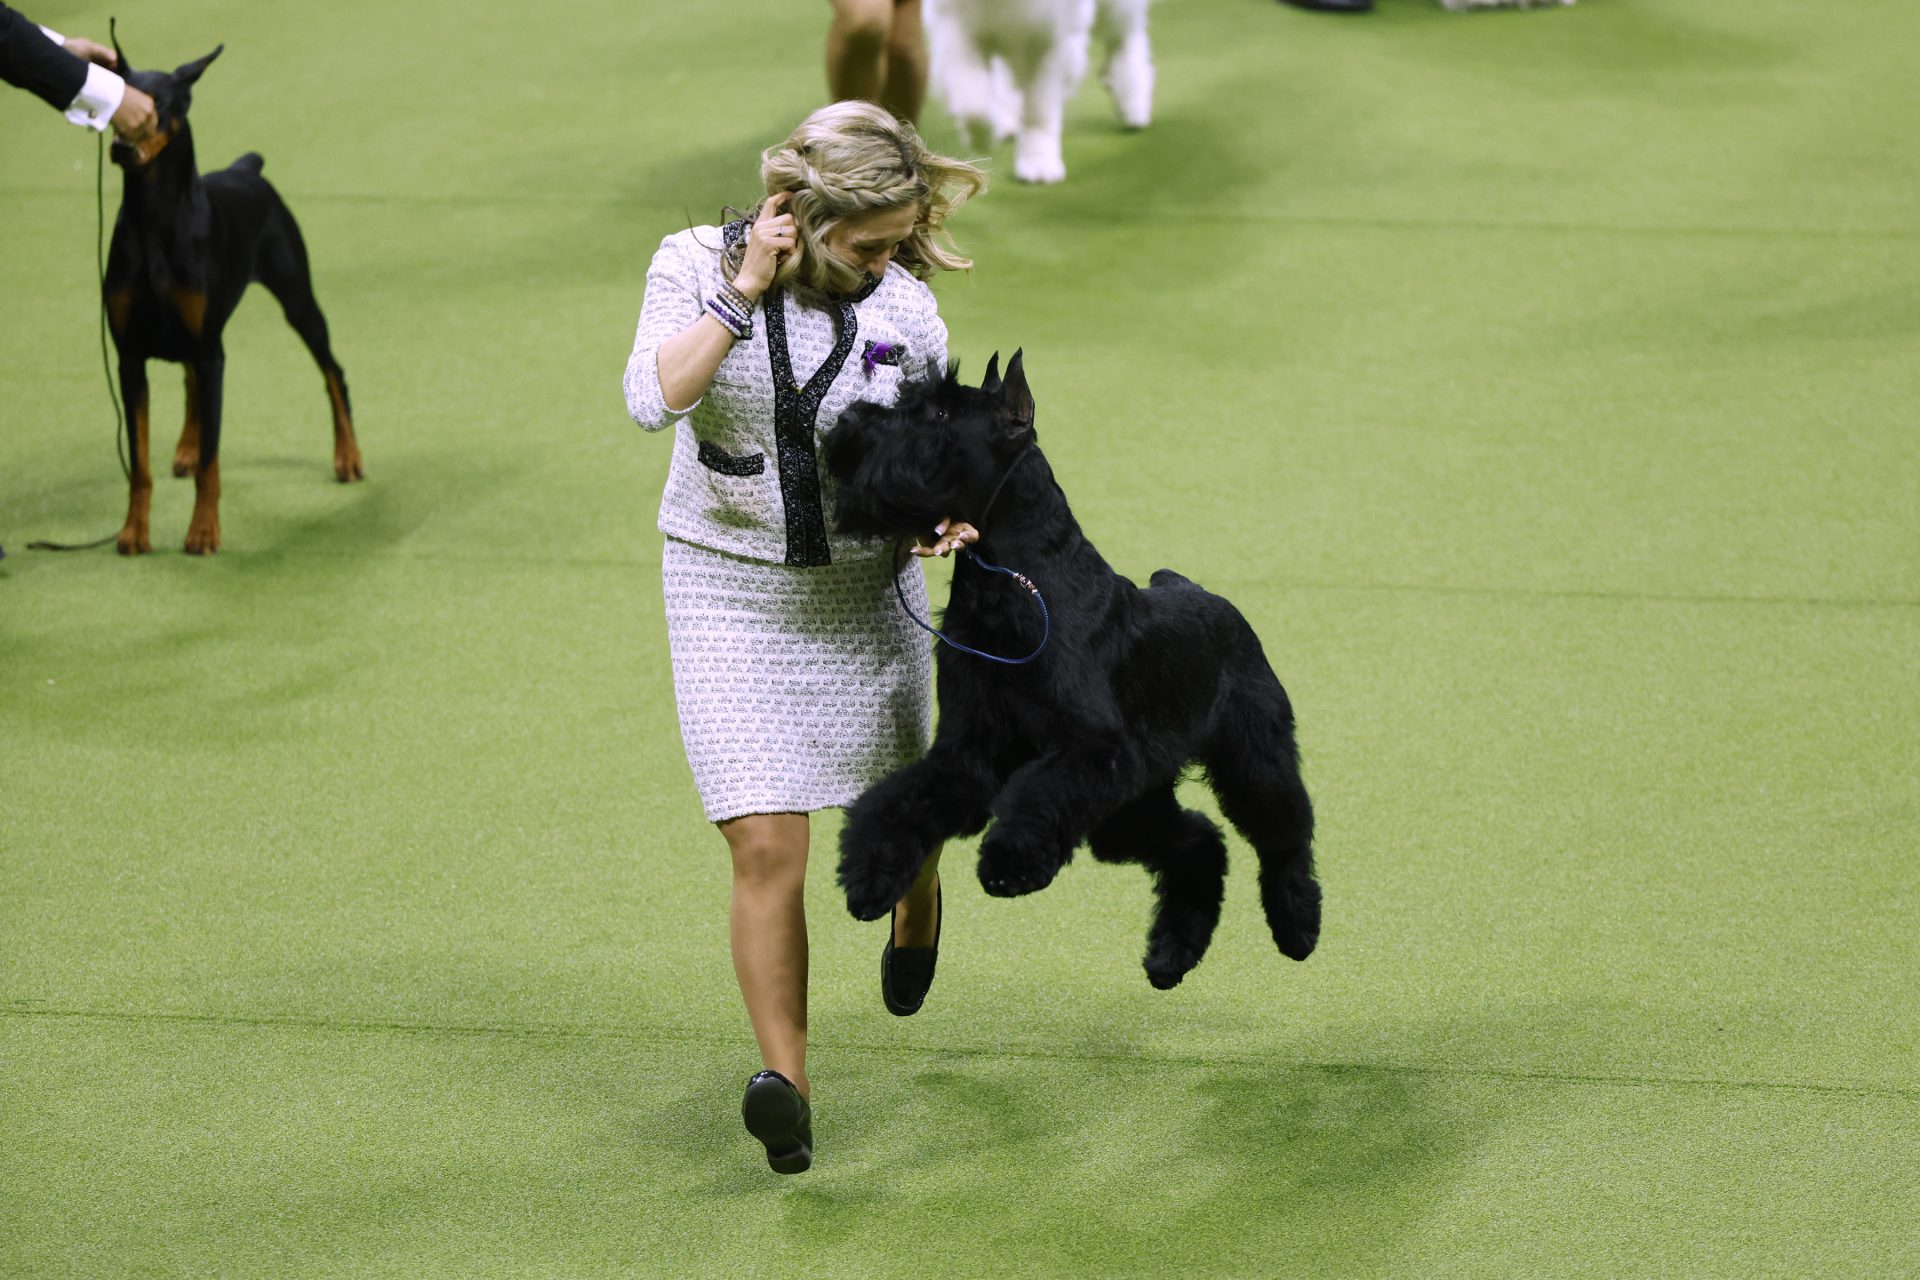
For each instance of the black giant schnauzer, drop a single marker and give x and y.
(1088, 740)
(185, 247)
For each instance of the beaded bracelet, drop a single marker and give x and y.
(740, 301)
(740, 327)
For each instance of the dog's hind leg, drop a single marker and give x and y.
(892, 827)
(284, 270)
(966, 82)
(1128, 71)
(1255, 771)
(1037, 155)
(1187, 857)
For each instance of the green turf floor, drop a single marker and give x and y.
(1542, 385)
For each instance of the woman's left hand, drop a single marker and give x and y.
(949, 536)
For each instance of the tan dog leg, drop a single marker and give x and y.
(187, 455)
(133, 539)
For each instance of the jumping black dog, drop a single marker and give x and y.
(185, 247)
(1087, 740)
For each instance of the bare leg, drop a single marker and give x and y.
(857, 49)
(768, 918)
(906, 88)
(916, 921)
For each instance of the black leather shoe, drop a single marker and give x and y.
(906, 973)
(777, 1115)
(1333, 6)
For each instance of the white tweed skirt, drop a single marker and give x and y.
(797, 688)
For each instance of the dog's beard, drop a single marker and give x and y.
(879, 492)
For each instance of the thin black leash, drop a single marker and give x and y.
(1046, 619)
(119, 413)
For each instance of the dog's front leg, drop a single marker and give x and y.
(1045, 809)
(134, 539)
(207, 376)
(899, 820)
(186, 454)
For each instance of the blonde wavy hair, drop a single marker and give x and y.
(852, 158)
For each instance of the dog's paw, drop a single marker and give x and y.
(1296, 922)
(185, 460)
(133, 541)
(1168, 960)
(1037, 158)
(1010, 866)
(876, 875)
(203, 535)
(1130, 82)
(346, 465)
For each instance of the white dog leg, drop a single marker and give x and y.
(1037, 156)
(960, 76)
(1128, 71)
(1006, 101)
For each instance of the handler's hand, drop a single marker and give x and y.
(949, 536)
(768, 244)
(133, 119)
(92, 51)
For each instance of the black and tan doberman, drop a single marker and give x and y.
(185, 247)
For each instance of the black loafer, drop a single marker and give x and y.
(1333, 6)
(906, 973)
(777, 1115)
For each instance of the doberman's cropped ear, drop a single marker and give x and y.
(183, 77)
(991, 383)
(125, 68)
(1015, 413)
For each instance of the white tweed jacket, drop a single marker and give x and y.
(745, 477)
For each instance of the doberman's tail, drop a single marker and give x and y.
(252, 162)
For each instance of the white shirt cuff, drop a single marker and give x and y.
(53, 35)
(99, 99)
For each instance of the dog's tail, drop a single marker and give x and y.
(252, 162)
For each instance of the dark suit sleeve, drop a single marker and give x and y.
(30, 61)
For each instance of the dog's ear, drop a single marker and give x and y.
(125, 68)
(1015, 413)
(183, 77)
(991, 383)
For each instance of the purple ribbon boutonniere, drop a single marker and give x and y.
(878, 353)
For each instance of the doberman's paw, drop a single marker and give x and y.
(185, 460)
(203, 536)
(347, 466)
(133, 541)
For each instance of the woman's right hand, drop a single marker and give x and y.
(770, 240)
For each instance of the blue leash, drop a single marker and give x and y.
(1046, 621)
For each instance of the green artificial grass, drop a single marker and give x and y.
(1539, 384)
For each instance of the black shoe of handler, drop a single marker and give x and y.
(906, 973)
(1333, 6)
(777, 1115)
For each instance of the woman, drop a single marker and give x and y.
(798, 681)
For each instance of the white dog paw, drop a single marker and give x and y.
(1130, 81)
(1037, 159)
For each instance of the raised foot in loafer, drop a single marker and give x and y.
(777, 1115)
(906, 973)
